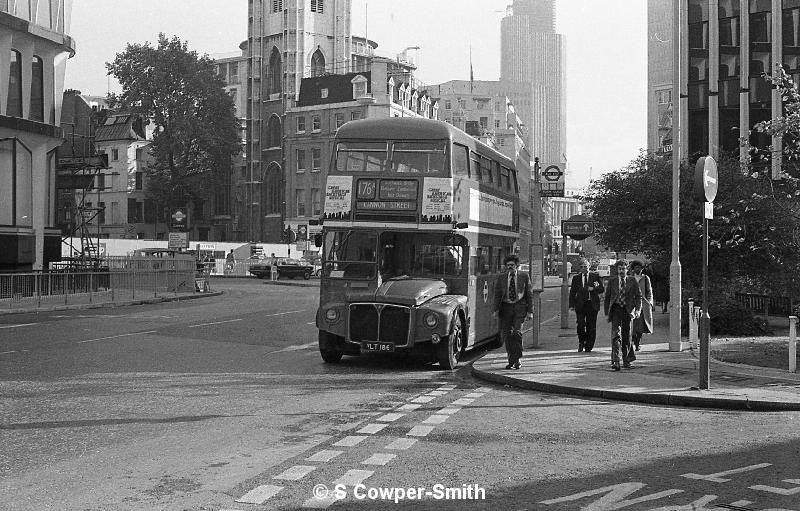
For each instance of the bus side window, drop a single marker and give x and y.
(460, 160)
(482, 267)
(474, 166)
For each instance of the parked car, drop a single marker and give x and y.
(290, 268)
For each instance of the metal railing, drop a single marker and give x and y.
(62, 287)
(767, 305)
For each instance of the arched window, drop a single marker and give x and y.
(37, 89)
(274, 79)
(317, 63)
(274, 132)
(272, 191)
(14, 103)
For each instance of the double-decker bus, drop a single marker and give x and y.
(418, 217)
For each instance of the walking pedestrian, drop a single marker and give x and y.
(623, 302)
(584, 297)
(513, 303)
(643, 323)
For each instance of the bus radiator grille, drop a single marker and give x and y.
(379, 323)
(394, 325)
(363, 323)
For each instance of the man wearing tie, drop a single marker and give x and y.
(584, 297)
(513, 302)
(622, 303)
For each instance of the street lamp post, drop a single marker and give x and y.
(675, 265)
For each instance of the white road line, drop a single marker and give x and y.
(259, 495)
(436, 419)
(18, 326)
(370, 429)
(379, 459)
(409, 408)
(717, 478)
(449, 410)
(7, 352)
(401, 444)
(115, 336)
(437, 393)
(350, 441)
(423, 399)
(446, 387)
(296, 347)
(353, 477)
(779, 491)
(474, 395)
(324, 456)
(295, 473)
(216, 323)
(463, 401)
(420, 431)
(390, 417)
(483, 389)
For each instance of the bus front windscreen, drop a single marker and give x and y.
(350, 254)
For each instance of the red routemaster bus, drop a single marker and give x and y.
(418, 217)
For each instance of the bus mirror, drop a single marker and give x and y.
(461, 225)
(318, 240)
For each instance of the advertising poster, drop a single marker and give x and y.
(338, 197)
(437, 200)
(489, 209)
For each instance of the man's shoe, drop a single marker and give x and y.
(615, 367)
(517, 365)
(510, 366)
(626, 365)
(637, 348)
(580, 348)
(588, 350)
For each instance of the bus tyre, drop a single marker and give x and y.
(307, 274)
(330, 347)
(449, 350)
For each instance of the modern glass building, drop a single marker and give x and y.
(34, 48)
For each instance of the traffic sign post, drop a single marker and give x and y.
(577, 227)
(551, 181)
(706, 181)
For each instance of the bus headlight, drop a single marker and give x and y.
(332, 315)
(430, 319)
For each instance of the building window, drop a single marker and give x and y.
(301, 124)
(484, 122)
(16, 194)
(277, 5)
(272, 190)
(316, 159)
(497, 123)
(14, 104)
(135, 211)
(316, 123)
(317, 6)
(462, 103)
(301, 160)
(316, 204)
(339, 120)
(355, 115)
(274, 134)
(664, 97)
(323, 93)
(300, 200)
(317, 64)
(138, 181)
(37, 89)
(274, 73)
(359, 86)
(101, 213)
(101, 181)
(448, 105)
(115, 154)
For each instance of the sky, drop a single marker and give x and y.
(606, 62)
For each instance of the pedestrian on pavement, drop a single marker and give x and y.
(660, 282)
(584, 297)
(623, 302)
(513, 303)
(643, 323)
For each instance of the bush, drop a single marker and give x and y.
(733, 318)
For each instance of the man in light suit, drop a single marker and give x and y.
(584, 297)
(513, 303)
(623, 302)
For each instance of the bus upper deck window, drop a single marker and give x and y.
(419, 157)
(361, 156)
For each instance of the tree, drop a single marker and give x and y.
(195, 131)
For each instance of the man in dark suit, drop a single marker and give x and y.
(513, 303)
(623, 302)
(584, 297)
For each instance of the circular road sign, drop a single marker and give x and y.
(706, 179)
(552, 173)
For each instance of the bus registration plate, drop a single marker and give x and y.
(378, 346)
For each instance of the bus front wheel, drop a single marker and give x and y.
(330, 347)
(449, 350)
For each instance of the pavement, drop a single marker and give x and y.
(658, 376)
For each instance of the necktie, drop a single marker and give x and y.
(584, 280)
(512, 288)
(621, 299)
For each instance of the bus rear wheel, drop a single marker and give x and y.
(449, 350)
(330, 347)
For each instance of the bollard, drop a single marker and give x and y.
(692, 327)
(792, 344)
